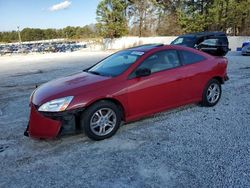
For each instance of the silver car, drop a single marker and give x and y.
(246, 50)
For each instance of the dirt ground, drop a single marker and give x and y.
(191, 146)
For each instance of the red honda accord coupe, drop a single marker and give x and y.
(125, 86)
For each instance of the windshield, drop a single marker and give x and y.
(185, 41)
(116, 64)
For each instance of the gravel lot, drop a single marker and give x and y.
(191, 146)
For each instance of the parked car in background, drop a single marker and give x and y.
(245, 43)
(45, 47)
(125, 86)
(246, 50)
(214, 43)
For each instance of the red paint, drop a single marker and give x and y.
(42, 127)
(139, 96)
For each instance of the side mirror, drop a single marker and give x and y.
(142, 72)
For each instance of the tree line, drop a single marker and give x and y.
(32, 34)
(116, 18)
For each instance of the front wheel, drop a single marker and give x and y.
(101, 120)
(212, 93)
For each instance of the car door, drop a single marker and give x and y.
(160, 90)
(195, 70)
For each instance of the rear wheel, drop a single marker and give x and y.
(101, 120)
(211, 93)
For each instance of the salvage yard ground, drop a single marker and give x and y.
(191, 146)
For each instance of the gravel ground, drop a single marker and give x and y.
(191, 146)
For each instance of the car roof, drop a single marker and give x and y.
(202, 34)
(145, 47)
(155, 47)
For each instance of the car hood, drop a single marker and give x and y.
(67, 86)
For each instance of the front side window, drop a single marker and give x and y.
(190, 58)
(116, 64)
(160, 61)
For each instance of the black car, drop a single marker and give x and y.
(215, 43)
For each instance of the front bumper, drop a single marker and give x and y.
(50, 125)
(226, 78)
(40, 126)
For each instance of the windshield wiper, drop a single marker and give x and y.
(98, 73)
(94, 72)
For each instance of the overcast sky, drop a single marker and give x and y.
(46, 13)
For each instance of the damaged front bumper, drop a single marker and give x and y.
(226, 78)
(51, 124)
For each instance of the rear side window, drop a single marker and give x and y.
(190, 57)
(162, 60)
(211, 42)
(221, 38)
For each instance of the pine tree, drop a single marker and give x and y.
(111, 18)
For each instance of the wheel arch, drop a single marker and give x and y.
(113, 100)
(219, 78)
(205, 101)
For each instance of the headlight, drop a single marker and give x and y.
(57, 105)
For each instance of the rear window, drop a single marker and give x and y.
(185, 41)
(190, 57)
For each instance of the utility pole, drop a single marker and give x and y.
(19, 35)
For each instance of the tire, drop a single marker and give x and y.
(101, 120)
(212, 93)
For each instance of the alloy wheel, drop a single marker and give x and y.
(213, 93)
(103, 121)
